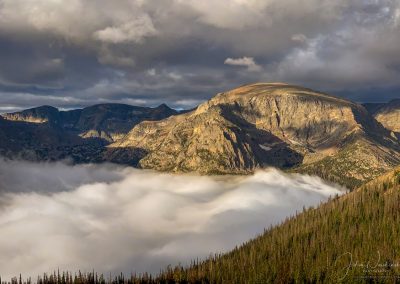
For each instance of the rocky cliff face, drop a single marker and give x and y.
(261, 125)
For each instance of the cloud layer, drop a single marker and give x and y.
(90, 52)
(115, 219)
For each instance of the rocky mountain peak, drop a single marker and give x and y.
(163, 107)
(254, 126)
(294, 114)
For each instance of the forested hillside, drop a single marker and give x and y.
(353, 238)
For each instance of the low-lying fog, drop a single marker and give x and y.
(116, 219)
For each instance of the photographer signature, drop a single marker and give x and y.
(375, 267)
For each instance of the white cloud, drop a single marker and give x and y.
(79, 19)
(132, 31)
(115, 219)
(244, 61)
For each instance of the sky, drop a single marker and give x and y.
(77, 53)
(118, 219)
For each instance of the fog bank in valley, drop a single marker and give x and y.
(117, 219)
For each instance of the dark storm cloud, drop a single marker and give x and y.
(25, 63)
(182, 52)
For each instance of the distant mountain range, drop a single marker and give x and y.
(236, 132)
(109, 122)
(45, 133)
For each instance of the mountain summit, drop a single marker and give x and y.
(261, 125)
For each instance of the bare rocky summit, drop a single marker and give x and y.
(261, 125)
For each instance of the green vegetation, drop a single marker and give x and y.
(353, 238)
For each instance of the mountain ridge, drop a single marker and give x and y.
(107, 121)
(235, 132)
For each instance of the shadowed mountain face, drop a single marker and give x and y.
(235, 132)
(264, 125)
(389, 116)
(45, 133)
(40, 141)
(108, 122)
